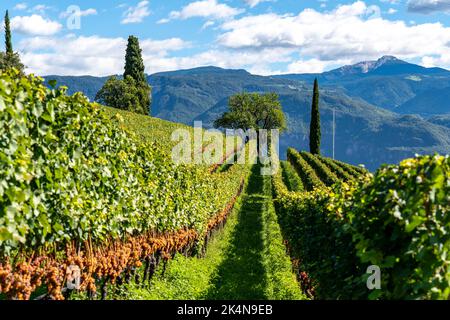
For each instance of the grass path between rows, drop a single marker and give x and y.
(246, 260)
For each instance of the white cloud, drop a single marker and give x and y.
(94, 55)
(35, 25)
(392, 11)
(430, 61)
(81, 13)
(307, 66)
(208, 24)
(346, 33)
(20, 6)
(254, 3)
(98, 56)
(136, 14)
(428, 6)
(162, 21)
(261, 44)
(391, 1)
(210, 9)
(40, 8)
(257, 62)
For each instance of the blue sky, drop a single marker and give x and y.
(262, 36)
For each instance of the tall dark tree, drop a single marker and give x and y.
(10, 59)
(315, 134)
(8, 40)
(132, 93)
(134, 64)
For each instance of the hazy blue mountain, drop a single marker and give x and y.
(183, 95)
(430, 102)
(87, 84)
(365, 133)
(442, 120)
(389, 83)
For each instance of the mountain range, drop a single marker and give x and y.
(386, 110)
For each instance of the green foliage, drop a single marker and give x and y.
(69, 173)
(304, 170)
(251, 239)
(134, 64)
(315, 134)
(11, 61)
(133, 93)
(354, 171)
(148, 128)
(340, 172)
(327, 176)
(397, 220)
(8, 40)
(400, 222)
(253, 111)
(290, 177)
(122, 94)
(319, 242)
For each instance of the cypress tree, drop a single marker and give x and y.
(314, 132)
(134, 64)
(134, 68)
(10, 59)
(8, 41)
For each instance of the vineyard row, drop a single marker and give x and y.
(396, 220)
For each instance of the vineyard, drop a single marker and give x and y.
(96, 188)
(86, 187)
(349, 219)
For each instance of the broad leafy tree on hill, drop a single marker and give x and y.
(132, 93)
(122, 94)
(253, 111)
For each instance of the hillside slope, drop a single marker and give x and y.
(365, 134)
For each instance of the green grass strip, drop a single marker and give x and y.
(247, 260)
(290, 177)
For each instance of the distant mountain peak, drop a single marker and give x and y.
(368, 66)
(385, 59)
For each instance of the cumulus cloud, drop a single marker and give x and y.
(20, 6)
(210, 9)
(308, 66)
(429, 6)
(348, 32)
(81, 13)
(40, 8)
(307, 42)
(101, 56)
(35, 25)
(94, 55)
(136, 14)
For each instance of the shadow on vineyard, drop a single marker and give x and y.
(242, 274)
